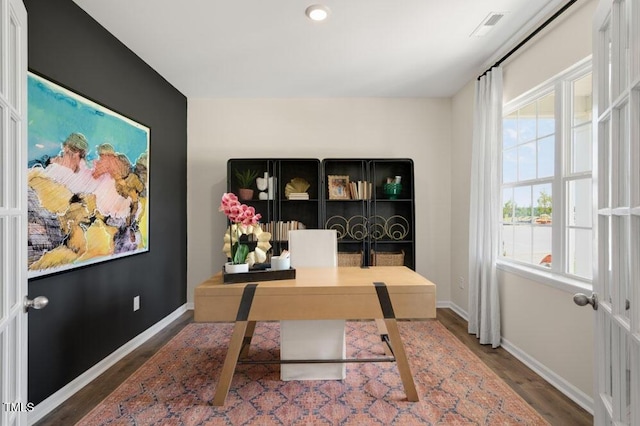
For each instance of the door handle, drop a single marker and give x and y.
(37, 303)
(582, 300)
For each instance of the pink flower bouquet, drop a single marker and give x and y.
(243, 221)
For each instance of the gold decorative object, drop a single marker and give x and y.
(296, 185)
(397, 227)
(357, 227)
(339, 224)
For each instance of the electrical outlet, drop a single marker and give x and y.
(136, 303)
(461, 282)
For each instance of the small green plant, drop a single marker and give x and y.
(246, 177)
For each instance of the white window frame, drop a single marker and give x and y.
(556, 275)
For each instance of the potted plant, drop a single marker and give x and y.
(243, 220)
(245, 180)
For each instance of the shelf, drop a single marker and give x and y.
(377, 215)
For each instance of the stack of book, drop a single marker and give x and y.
(298, 196)
(280, 230)
(360, 190)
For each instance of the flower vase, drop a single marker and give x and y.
(231, 268)
(245, 193)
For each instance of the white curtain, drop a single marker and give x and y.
(484, 302)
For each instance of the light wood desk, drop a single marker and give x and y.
(383, 293)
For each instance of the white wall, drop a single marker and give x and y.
(220, 129)
(538, 321)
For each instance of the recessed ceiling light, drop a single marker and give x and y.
(317, 12)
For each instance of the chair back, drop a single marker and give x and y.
(313, 247)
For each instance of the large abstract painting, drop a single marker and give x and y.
(88, 181)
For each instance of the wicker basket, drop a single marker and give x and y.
(350, 258)
(387, 258)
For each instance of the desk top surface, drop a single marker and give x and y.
(342, 277)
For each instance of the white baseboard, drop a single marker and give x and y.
(455, 308)
(190, 306)
(46, 406)
(572, 392)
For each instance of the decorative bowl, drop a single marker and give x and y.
(392, 190)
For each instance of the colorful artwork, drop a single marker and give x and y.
(88, 181)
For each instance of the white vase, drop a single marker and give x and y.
(262, 183)
(230, 268)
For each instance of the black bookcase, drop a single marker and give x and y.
(279, 214)
(376, 226)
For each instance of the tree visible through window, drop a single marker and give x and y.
(546, 176)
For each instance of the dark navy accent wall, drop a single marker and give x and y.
(90, 312)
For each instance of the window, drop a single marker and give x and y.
(546, 217)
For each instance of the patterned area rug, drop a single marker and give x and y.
(176, 386)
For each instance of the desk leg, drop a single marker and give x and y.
(230, 362)
(401, 360)
(396, 341)
(246, 342)
(382, 331)
(241, 330)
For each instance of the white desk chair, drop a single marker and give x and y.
(317, 339)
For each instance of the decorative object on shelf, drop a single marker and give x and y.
(360, 190)
(244, 221)
(381, 258)
(338, 187)
(393, 187)
(262, 184)
(377, 227)
(357, 227)
(296, 186)
(245, 180)
(339, 224)
(397, 227)
(349, 258)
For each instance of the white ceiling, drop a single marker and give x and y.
(267, 48)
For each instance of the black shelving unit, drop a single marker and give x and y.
(278, 212)
(378, 223)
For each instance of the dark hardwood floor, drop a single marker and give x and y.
(556, 408)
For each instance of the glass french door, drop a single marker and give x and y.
(616, 65)
(13, 213)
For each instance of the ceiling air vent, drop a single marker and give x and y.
(487, 24)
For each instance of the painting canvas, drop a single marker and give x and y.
(88, 181)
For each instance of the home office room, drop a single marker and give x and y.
(442, 225)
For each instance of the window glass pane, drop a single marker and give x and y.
(510, 130)
(523, 207)
(542, 245)
(543, 201)
(624, 153)
(507, 240)
(527, 123)
(579, 252)
(582, 100)
(510, 165)
(507, 205)
(546, 157)
(581, 149)
(579, 207)
(546, 116)
(527, 161)
(522, 243)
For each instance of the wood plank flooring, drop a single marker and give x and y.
(556, 408)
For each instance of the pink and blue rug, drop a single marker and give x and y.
(177, 384)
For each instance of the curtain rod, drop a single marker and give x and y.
(529, 37)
